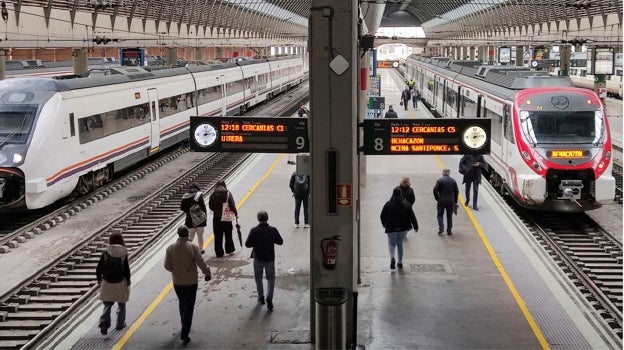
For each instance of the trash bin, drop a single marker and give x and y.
(331, 322)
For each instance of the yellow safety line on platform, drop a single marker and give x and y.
(135, 326)
(501, 269)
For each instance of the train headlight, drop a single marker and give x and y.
(18, 158)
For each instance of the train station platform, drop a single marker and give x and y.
(485, 287)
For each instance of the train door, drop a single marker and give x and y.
(152, 95)
(223, 96)
(507, 141)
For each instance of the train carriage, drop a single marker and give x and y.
(551, 144)
(63, 136)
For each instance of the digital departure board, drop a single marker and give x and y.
(249, 134)
(426, 136)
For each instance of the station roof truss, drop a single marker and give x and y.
(588, 21)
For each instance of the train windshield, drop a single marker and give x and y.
(550, 127)
(16, 122)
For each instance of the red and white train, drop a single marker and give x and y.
(63, 136)
(550, 141)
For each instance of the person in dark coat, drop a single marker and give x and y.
(222, 229)
(302, 198)
(262, 239)
(397, 217)
(471, 166)
(391, 113)
(407, 191)
(182, 258)
(303, 111)
(445, 193)
(112, 292)
(194, 195)
(406, 96)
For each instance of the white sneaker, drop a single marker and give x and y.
(306, 226)
(296, 225)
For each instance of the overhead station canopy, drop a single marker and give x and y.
(179, 22)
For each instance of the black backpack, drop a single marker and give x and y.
(113, 268)
(301, 185)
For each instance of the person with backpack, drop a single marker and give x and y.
(397, 218)
(113, 277)
(222, 229)
(195, 208)
(300, 188)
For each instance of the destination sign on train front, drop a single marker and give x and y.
(249, 134)
(426, 136)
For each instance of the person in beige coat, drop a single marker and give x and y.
(182, 259)
(113, 276)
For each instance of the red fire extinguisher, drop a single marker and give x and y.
(329, 247)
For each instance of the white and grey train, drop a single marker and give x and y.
(63, 136)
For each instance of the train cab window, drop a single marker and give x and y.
(558, 127)
(16, 122)
(72, 125)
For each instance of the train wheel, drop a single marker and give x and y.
(85, 184)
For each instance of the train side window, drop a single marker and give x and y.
(72, 126)
(507, 124)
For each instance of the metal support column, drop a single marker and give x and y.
(334, 58)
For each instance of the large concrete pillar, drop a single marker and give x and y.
(198, 54)
(519, 56)
(564, 59)
(171, 56)
(334, 154)
(80, 60)
(483, 54)
(471, 53)
(3, 56)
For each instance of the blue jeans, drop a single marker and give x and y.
(105, 319)
(475, 191)
(415, 102)
(395, 240)
(299, 200)
(268, 267)
(186, 303)
(448, 206)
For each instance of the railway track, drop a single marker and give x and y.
(45, 299)
(588, 255)
(41, 302)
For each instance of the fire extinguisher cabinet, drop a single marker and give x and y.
(331, 322)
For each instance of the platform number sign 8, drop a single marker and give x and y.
(378, 144)
(382, 105)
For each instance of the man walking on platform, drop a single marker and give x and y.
(262, 239)
(470, 166)
(406, 95)
(182, 259)
(391, 113)
(445, 193)
(300, 187)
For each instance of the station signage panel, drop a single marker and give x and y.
(426, 136)
(249, 134)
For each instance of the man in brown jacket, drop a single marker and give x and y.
(182, 259)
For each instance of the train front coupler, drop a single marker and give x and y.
(571, 190)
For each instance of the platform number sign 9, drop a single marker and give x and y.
(249, 134)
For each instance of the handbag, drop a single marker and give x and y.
(198, 215)
(226, 213)
(401, 103)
